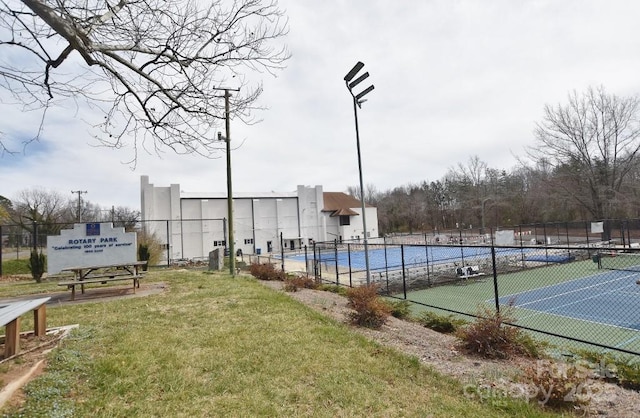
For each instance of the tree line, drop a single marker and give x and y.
(40, 212)
(582, 166)
(154, 71)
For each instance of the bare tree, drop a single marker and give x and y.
(154, 67)
(370, 193)
(5, 207)
(48, 210)
(124, 217)
(592, 143)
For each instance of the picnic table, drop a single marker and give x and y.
(10, 313)
(103, 274)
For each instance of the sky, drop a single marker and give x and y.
(454, 79)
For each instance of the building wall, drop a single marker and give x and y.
(198, 224)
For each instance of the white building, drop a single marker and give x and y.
(193, 224)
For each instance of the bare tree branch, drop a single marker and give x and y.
(592, 144)
(153, 67)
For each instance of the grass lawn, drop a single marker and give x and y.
(212, 345)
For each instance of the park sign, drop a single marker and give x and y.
(90, 244)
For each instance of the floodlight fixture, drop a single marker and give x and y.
(356, 68)
(364, 93)
(357, 102)
(358, 80)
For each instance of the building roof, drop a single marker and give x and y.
(340, 204)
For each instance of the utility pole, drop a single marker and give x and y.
(79, 192)
(227, 139)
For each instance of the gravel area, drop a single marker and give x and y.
(491, 378)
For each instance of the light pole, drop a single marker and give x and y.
(357, 103)
(227, 139)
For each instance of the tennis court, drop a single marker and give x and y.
(575, 296)
(610, 298)
(575, 300)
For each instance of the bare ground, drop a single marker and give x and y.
(491, 379)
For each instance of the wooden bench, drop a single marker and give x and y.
(10, 313)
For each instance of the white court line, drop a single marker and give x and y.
(511, 296)
(550, 311)
(536, 312)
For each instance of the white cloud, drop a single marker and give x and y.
(453, 79)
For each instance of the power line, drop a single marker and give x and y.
(79, 192)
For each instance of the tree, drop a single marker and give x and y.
(5, 208)
(592, 144)
(469, 187)
(124, 217)
(154, 67)
(47, 210)
(370, 193)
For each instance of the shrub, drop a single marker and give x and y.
(37, 265)
(20, 266)
(154, 248)
(622, 371)
(292, 284)
(559, 385)
(266, 272)
(143, 254)
(369, 309)
(490, 337)
(399, 308)
(441, 323)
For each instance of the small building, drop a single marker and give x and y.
(191, 224)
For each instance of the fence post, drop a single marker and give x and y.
(315, 264)
(349, 261)
(306, 261)
(404, 281)
(335, 256)
(168, 246)
(319, 262)
(461, 249)
(386, 264)
(546, 247)
(282, 251)
(495, 277)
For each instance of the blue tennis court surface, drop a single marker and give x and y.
(391, 257)
(611, 298)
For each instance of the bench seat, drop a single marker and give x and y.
(10, 313)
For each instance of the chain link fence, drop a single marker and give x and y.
(579, 293)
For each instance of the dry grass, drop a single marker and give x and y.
(217, 346)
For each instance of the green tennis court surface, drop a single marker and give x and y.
(576, 300)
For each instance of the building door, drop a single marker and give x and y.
(292, 244)
(269, 247)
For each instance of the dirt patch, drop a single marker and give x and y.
(17, 370)
(95, 293)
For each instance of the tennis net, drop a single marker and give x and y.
(613, 260)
